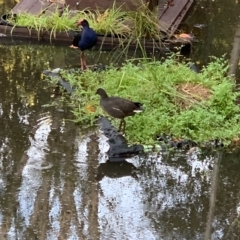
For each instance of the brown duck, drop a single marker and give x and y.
(118, 107)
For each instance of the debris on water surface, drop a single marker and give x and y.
(200, 26)
(3, 35)
(184, 36)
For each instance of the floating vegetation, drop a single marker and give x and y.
(177, 101)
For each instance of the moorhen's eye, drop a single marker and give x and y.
(118, 107)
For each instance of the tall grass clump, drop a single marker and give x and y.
(29, 21)
(53, 22)
(176, 100)
(130, 27)
(111, 22)
(142, 24)
(59, 22)
(146, 23)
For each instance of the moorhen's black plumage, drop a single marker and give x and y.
(118, 107)
(86, 40)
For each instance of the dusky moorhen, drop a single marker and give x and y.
(86, 40)
(118, 107)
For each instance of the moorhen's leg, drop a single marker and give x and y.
(124, 125)
(120, 126)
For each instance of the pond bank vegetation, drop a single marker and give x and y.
(113, 22)
(177, 101)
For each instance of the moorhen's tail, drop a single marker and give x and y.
(139, 107)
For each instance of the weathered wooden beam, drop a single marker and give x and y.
(65, 39)
(173, 15)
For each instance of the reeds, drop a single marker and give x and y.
(128, 26)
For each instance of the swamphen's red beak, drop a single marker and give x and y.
(79, 22)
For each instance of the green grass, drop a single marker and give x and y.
(128, 26)
(53, 23)
(155, 85)
(131, 28)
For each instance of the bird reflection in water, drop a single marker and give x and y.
(116, 170)
(119, 150)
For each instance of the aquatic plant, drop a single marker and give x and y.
(144, 24)
(59, 22)
(54, 22)
(111, 22)
(127, 26)
(177, 101)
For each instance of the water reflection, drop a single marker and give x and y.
(56, 182)
(116, 170)
(220, 19)
(32, 172)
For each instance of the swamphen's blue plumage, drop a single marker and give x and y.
(86, 40)
(88, 36)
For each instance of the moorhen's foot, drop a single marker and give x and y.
(122, 132)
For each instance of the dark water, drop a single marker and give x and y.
(220, 19)
(55, 182)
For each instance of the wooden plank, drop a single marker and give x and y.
(173, 15)
(23, 6)
(38, 7)
(177, 22)
(172, 12)
(52, 8)
(64, 39)
(169, 16)
(162, 6)
(31, 6)
(103, 4)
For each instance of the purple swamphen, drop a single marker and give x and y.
(118, 107)
(86, 40)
